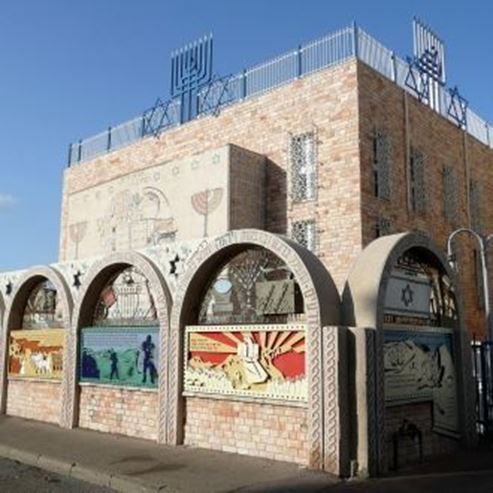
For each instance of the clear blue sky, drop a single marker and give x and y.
(70, 68)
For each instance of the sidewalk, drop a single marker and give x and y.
(133, 465)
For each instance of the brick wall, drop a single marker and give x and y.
(262, 430)
(382, 105)
(419, 414)
(325, 102)
(129, 412)
(37, 400)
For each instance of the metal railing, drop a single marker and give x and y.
(320, 54)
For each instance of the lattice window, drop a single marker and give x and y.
(382, 227)
(126, 300)
(255, 286)
(476, 194)
(305, 233)
(478, 274)
(382, 156)
(302, 158)
(418, 181)
(42, 309)
(450, 205)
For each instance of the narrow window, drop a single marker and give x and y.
(417, 181)
(381, 165)
(305, 233)
(450, 206)
(303, 166)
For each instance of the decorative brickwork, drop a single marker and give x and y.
(125, 411)
(13, 320)
(262, 430)
(83, 310)
(310, 282)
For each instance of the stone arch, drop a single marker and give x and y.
(322, 309)
(363, 303)
(94, 282)
(13, 318)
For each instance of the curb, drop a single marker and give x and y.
(78, 471)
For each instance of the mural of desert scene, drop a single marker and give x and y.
(255, 361)
(36, 353)
(120, 356)
(37, 350)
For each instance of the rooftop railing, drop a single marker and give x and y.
(350, 42)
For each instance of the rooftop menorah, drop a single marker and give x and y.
(209, 95)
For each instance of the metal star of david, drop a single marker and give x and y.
(407, 296)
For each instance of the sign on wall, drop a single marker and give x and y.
(120, 356)
(408, 295)
(419, 366)
(36, 353)
(262, 361)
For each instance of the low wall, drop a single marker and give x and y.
(420, 414)
(262, 430)
(34, 399)
(131, 412)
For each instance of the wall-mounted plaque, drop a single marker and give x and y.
(36, 353)
(419, 366)
(261, 361)
(124, 356)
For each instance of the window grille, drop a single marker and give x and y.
(418, 182)
(302, 153)
(305, 233)
(476, 193)
(381, 165)
(382, 227)
(450, 205)
(478, 273)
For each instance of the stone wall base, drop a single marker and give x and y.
(34, 399)
(261, 430)
(130, 412)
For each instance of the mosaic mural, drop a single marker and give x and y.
(124, 356)
(419, 366)
(176, 200)
(36, 353)
(262, 361)
(253, 287)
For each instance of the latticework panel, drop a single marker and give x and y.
(382, 160)
(476, 194)
(305, 233)
(450, 205)
(418, 181)
(302, 160)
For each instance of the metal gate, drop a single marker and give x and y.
(482, 364)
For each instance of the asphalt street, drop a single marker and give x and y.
(19, 478)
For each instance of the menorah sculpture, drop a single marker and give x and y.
(191, 70)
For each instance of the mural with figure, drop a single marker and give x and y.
(255, 361)
(125, 356)
(419, 366)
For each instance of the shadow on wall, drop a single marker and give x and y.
(276, 198)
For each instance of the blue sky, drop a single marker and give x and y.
(69, 68)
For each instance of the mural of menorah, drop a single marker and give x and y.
(191, 69)
(206, 202)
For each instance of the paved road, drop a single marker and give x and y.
(18, 478)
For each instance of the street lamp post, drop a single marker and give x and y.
(483, 242)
